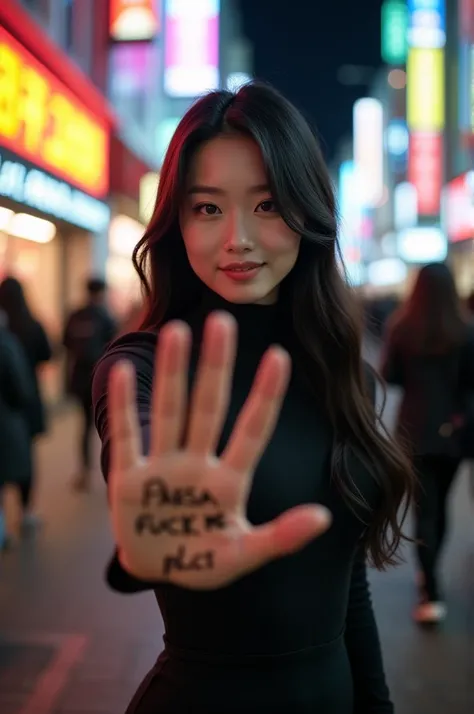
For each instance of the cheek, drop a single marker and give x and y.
(283, 244)
(200, 242)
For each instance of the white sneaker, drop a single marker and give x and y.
(430, 613)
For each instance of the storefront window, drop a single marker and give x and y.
(124, 285)
(35, 260)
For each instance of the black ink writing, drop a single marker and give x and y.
(214, 522)
(181, 561)
(178, 525)
(157, 492)
(175, 526)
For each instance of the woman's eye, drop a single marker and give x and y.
(266, 207)
(207, 209)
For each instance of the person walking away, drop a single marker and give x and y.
(16, 393)
(429, 353)
(87, 333)
(34, 341)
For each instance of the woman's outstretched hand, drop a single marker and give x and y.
(179, 514)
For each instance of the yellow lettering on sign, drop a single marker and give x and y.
(41, 122)
(32, 106)
(10, 71)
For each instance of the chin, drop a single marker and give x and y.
(247, 294)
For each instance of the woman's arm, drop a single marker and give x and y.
(371, 694)
(138, 349)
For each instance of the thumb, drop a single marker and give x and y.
(285, 534)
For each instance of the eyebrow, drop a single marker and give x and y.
(214, 190)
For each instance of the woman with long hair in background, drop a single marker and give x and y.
(429, 353)
(214, 501)
(37, 349)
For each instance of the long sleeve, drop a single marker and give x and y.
(371, 694)
(140, 354)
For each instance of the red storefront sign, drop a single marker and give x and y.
(42, 121)
(460, 208)
(425, 164)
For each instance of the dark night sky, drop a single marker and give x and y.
(299, 46)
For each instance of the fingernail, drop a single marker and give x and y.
(324, 514)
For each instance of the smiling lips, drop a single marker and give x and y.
(242, 271)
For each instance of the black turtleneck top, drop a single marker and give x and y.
(300, 603)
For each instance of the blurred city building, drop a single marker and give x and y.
(55, 129)
(410, 200)
(91, 92)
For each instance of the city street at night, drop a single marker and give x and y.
(71, 646)
(226, 177)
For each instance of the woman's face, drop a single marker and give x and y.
(236, 241)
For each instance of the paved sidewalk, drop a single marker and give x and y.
(70, 646)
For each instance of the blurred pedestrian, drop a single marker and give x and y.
(470, 305)
(37, 349)
(429, 353)
(16, 393)
(221, 519)
(470, 308)
(88, 331)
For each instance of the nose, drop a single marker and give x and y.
(238, 239)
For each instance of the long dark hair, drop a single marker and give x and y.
(15, 306)
(324, 315)
(431, 321)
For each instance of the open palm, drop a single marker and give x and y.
(179, 514)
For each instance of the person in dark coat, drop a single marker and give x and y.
(429, 353)
(37, 349)
(88, 332)
(16, 392)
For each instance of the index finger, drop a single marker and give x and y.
(258, 417)
(125, 447)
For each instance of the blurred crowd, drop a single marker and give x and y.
(25, 349)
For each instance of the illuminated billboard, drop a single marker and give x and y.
(459, 208)
(425, 90)
(427, 23)
(422, 244)
(191, 64)
(351, 223)
(471, 93)
(368, 131)
(394, 31)
(133, 20)
(44, 123)
(425, 163)
(405, 205)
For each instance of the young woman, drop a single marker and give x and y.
(430, 354)
(220, 518)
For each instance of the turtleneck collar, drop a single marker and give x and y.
(259, 325)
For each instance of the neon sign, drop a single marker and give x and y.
(42, 121)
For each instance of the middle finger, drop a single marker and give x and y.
(210, 396)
